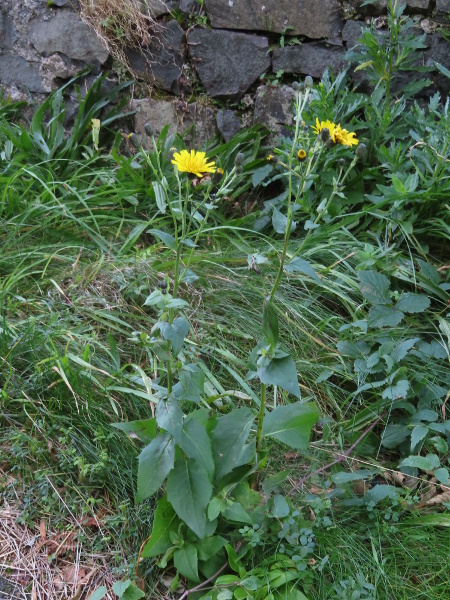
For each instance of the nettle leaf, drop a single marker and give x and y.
(383, 316)
(412, 303)
(189, 491)
(280, 222)
(229, 438)
(155, 462)
(394, 435)
(429, 272)
(191, 385)
(281, 372)
(197, 445)
(145, 430)
(165, 520)
(417, 435)
(291, 424)
(186, 562)
(299, 265)
(374, 287)
(169, 417)
(398, 390)
(270, 323)
(426, 463)
(175, 333)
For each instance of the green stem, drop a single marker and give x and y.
(262, 408)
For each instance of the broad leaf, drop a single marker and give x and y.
(165, 238)
(381, 492)
(210, 546)
(175, 332)
(144, 430)
(426, 463)
(169, 417)
(412, 303)
(186, 562)
(442, 475)
(260, 174)
(189, 491)
(417, 435)
(228, 440)
(291, 424)
(374, 287)
(383, 316)
(280, 507)
(165, 520)
(155, 462)
(236, 513)
(299, 265)
(397, 390)
(99, 593)
(394, 435)
(281, 372)
(280, 221)
(270, 323)
(126, 590)
(196, 443)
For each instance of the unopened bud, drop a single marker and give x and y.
(301, 155)
(148, 129)
(272, 159)
(239, 169)
(239, 160)
(309, 82)
(172, 151)
(325, 134)
(361, 151)
(296, 86)
(135, 140)
(341, 163)
(217, 176)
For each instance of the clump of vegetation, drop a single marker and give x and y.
(249, 404)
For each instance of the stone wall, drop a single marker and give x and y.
(227, 50)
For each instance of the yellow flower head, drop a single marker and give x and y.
(193, 162)
(321, 125)
(301, 155)
(346, 138)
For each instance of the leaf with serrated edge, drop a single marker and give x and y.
(281, 372)
(228, 439)
(374, 287)
(164, 521)
(155, 462)
(412, 303)
(196, 443)
(186, 562)
(189, 491)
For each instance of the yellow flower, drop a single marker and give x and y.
(193, 162)
(301, 155)
(346, 138)
(321, 125)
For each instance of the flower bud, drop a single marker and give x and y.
(325, 134)
(272, 159)
(171, 153)
(135, 140)
(361, 151)
(309, 82)
(162, 285)
(148, 129)
(301, 155)
(341, 163)
(239, 169)
(296, 86)
(239, 160)
(217, 176)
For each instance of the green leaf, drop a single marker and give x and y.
(281, 372)
(288, 592)
(197, 445)
(280, 507)
(374, 287)
(210, 546)
(398, 390)
(165, 238)
(442, 69)
(280, 221)
(186, 562)
(160, 197)
(270, 323)
(383, 316)
(417, 435)
(236, 513)
(398, 185)
(429, 272)
(98, 594)
(442, 475)
(412, 303)
(169, 417)
(175, 333)
(344, 477)
(155, 462)
(394, 435)
(260, 174)
(228, 440)
(165, 520)
(290, 424)
(189, 491)
(126, 590)
(381, 492)
(299, 265)
(426, 463)
(144, 430)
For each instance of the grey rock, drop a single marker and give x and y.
(309, 59)
(273, 108)
(352, 32)
(8, 32)
(228, 62)
(228, 123)
(442, 11)
(66, 33)
(15, 70)
(439, 51)
(163, 62)
(157, 8)
(312, 18)
(59, 3)
(187, 6)
(379, 7)
(178, 115)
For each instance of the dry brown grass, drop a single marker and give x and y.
(46, 565)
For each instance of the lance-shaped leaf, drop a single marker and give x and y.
(186, 562)
(291, 424)
(165, 520)
(144, 430)
(189, 491)
(270, 323)
(229, 440)
(169, 417)
(155, 462)
(196, 443)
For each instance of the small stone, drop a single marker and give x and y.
(228, 62)
(228, 123)
(351, 33)
(309, 59)
(8, 33)
(273, 108)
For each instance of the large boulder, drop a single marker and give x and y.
(66, 33)
(309, 59)
(296, 17)
(228, 62)
(18, 72)
(273, 108)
